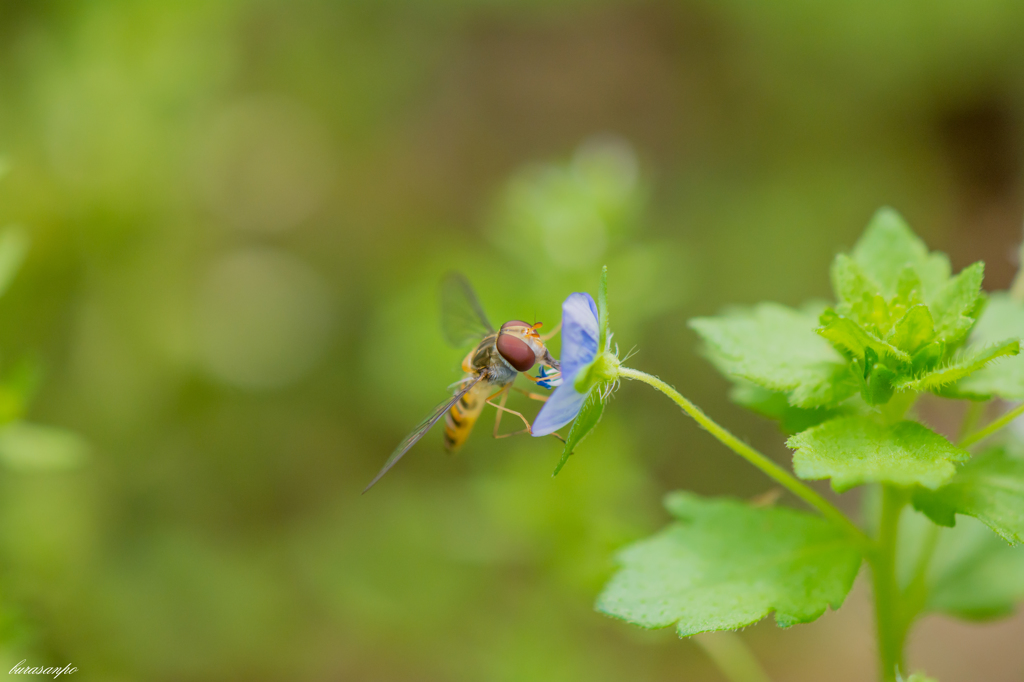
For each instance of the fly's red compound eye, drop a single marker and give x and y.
(516, 351)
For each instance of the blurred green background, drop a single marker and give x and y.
(239, 213)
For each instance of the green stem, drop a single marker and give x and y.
(773, 470)
(897, 407)
(992, 427)
(917, 591)
(891, 629)
(732, 656)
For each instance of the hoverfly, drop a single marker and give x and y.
(491, 367)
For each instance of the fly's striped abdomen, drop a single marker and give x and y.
(459, 421)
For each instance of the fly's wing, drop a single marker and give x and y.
(421, 429)
(462, 317)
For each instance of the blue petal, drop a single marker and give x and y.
(579, 347)
(579, 334)
(560, 409)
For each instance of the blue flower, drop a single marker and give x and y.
(580, 332)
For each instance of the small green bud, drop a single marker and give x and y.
(878, 388)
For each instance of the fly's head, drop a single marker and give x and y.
(522, 347)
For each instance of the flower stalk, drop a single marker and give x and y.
(767, 466)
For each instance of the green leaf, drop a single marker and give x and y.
(825, 385)
(727, 565)
(975, 575)
(1002, 318)
(888, 246)
(586, 420)
(775, 347)
(957, 306)
(856, 450)
(851, 286)
(990, 488)
(850, 338)
(775, 405)
(920, 677)
(13, 247)
(32, 447)
(914, 330)
(888, 276)
(968, 362)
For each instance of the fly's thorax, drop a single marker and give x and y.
(483, 356)
(486, 360)
(501, 373)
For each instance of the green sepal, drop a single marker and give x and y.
(602, 311)
(859, 449)
(990, 488)
(603, 369)
(588, 417)
(726, 565)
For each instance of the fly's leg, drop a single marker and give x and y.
(539, 379)
(497, 418)
(501, 408)
(531, 396)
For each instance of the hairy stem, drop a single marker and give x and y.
(891, 627)
(917, 591)
(897, 407)
(770, 468)
(732, 656)
(992, 427)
